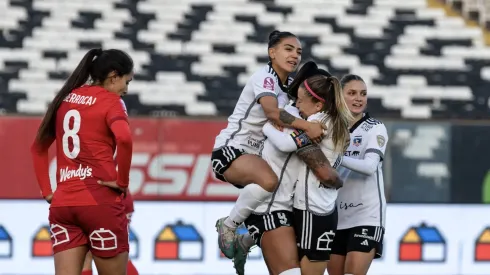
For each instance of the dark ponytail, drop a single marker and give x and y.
(96, 64)
(308, 70)
(79, 77)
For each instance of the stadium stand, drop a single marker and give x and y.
(193, 56)
(476, 10)
(421, 155)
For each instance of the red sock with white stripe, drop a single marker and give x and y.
(87, 272)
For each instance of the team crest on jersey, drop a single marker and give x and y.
(381, 140)
(357, 141)
(269, 83)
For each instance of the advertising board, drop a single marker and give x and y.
(171, 160)
(420, 239)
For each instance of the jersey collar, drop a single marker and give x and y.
(364, 118)
(284, 87)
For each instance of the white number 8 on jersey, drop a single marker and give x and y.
(71, 133)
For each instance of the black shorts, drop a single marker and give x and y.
(258, 224)
(314, 234)
(222, 158)
(360, 239)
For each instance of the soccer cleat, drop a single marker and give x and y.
(226, 238)
(241, 254)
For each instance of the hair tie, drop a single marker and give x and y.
(313, 93)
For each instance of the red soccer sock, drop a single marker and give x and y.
(87, 272)
(131, 269)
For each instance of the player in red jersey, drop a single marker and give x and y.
(131, 269)
(88, 122)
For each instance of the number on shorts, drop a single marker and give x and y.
(282, 218)
(71, 133)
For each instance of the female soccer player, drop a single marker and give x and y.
(88, 122)
(235, 156)
(361, 202)
(315, 213)
(131, 269)
(270, 225)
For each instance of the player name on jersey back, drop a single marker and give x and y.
(80, 99)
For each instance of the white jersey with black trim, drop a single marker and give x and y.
(310, 194)
(244, 129)
(361, 201)
(285, 165)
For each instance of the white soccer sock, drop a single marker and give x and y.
(250, 197)
(292, 271)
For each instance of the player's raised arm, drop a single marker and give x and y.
(282, 118)
(287, 140)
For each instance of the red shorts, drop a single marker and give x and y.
(104, 228)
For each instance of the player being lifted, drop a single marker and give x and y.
(88, 122)
(272, 222)
(235, 157)
(361, 202)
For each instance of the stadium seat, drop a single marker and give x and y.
(193, 57)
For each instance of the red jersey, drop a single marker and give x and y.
(85, 146)
(128, 203)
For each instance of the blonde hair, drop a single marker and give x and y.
(334, 106)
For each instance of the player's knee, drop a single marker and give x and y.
(268, 181)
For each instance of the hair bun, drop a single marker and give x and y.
(273, 33)
(98, 52)
(324, 72)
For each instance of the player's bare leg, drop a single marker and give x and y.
(358, 263)
(70, 261)
(87, 265)
(336, 265)
(112, 266)
(312, 268)
(280, 250)
(260, 181)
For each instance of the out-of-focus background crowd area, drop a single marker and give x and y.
(426, 64)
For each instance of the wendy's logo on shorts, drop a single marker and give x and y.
(269, 83)
(179, 242)
(82, 173)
